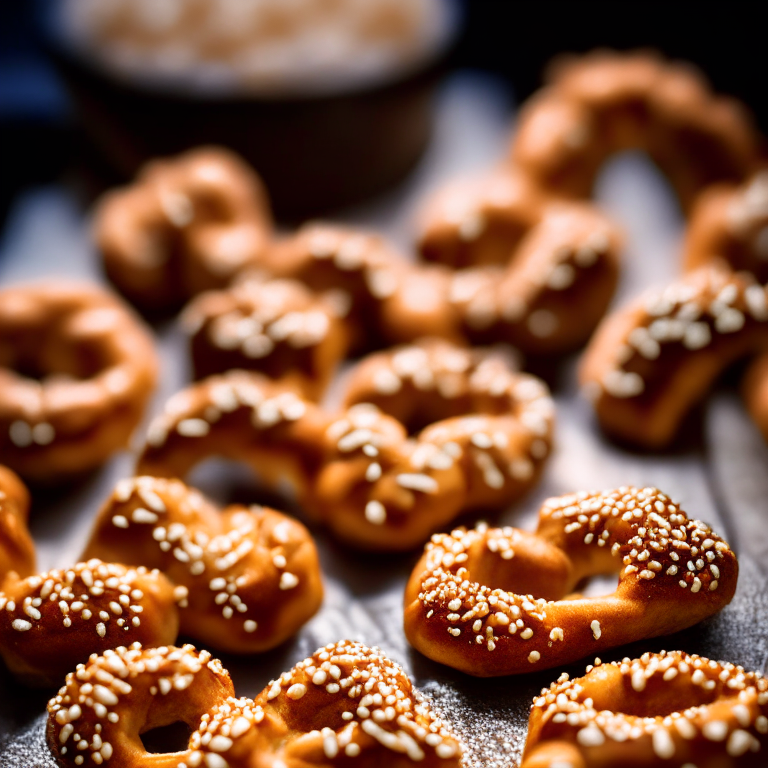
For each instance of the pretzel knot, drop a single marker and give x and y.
(76, 371)
(664, 708)
(251, 577)
(652, 361)
(277, 327)
(359, 471)
(496, 601)
(186, 225)
(345, 702)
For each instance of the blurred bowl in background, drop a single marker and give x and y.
(330, 100)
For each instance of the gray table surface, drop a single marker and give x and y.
(720, 478)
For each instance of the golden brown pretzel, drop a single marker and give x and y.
(606, 102)
(730, 223)
(653, 360)
(344, 705)
(661, 709)
(358, 471)
(186, 225)
(277, 327)
(76, 371)
(546, 299)
(755, 392)
(52, 621)
(499, 601)
(17, 551)
(251, 576)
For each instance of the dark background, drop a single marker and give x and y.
(39, 140)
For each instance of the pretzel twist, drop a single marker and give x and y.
(358, 471)
(651, 361)
(250, 577)
(661, 709)
(76, 371)
(496, 601)
(17, 550)
(186, 225)
(346, 704)
(567, 260)
(606, 102)
(277, 327)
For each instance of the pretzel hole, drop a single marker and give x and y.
(226, 481)
(598, 585)
(167, 739)
(55, 361)
(658, 699)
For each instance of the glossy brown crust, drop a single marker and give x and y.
(661, 709)
(650, 362)
(277, 327)
(754, 390)
(53, 621)
(346, 705)
(496, 601)
(358, 471)
(77, 368)
(17, 550)
(545, 300)
(250, 576)
(186, 225)
(605, 102)
(729, 222)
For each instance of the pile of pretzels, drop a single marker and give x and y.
(435, 421)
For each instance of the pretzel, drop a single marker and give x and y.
(17, 551)
(661, 709)
(730, 223)
(606, 102)
(277, 327)
(498, 601)
(568, 260)
(76, 371)
(358, 471)
(651, 361)
(186, 225)
(345, 705)
(251, 576)
(52, 621)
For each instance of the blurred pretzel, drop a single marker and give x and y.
(661, 709)
(653, 360)
(277, 327)
(76, 371)
(496, 601)
(602, 103)
(346, 704)
(359, 471)
(251, 577)
(17, 551)
(186, 225)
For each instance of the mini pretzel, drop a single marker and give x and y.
(494, 601)
(661, 709)
(358, 471)
(347, 704)
(76, 371)
(251, 576)
(52, 621)
(603, 103)
(17, 551)
(277, 327)
(186, 225)
(730, 223)
(568, 260)
(651, 361)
